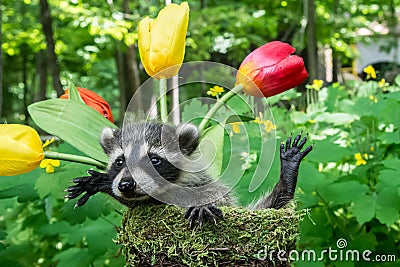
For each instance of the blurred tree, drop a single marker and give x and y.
(45, 17)
(1, 56)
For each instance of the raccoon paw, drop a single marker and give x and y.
(90, 184)
(208, 212)
(291, 156)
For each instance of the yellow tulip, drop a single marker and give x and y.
(162, 41)
(21, 150)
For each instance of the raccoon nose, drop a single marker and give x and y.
(126, 185)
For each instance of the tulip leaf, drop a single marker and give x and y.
(74, 93)
(211, 145)
(238, 118)
(74, 122)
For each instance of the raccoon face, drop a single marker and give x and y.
(149, 155)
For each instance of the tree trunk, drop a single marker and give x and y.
(312, 56)
(52, 57)
(1, 57)
(133, 69)
(25, 82)
(41, 70)
(119, 60)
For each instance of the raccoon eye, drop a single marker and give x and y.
(155, 161)
(119, 162)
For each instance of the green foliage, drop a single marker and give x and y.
(350, 200)
(74, 122)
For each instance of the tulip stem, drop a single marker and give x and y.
(163, 100)
(74, 158)
(220, 102)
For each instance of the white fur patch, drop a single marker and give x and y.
(115, 184)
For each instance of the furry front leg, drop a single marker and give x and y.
(207, 212)
(291, 157)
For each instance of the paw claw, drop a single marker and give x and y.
(202, 213)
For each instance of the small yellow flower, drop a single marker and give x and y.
(215, 91)
(48, 142)
(312, 121)
(373, 99)
(258, 120)
(269, 126)
(317, 85)
(49, 164)
(372, 149)
(236, 126)
(382, 84)
(360, 159)
(370, 71)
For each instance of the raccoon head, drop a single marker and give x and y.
(143, 156)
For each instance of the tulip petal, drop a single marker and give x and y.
(168, 40)
(271, 69)
(21, 150)
(269, 54)
(93, 100)
(285, 75)
(144, 40)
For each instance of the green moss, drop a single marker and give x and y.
(159, 236)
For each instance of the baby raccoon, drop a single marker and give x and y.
(158, 162)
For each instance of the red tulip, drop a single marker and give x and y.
(271, 69)
(93, 100)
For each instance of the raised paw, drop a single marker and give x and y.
(292, 151)
(208, 212)
(291, 157)
(90, 185)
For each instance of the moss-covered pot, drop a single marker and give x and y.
(154, 235)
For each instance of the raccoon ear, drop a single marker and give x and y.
(188, 137)
(107, 139)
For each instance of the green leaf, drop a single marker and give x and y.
(326, 151)
(390, 138)
(238, 118)
(74, 122)
(397, 80)
(299, 117)
(239, 105)
(343, 192)
(211, 147)
(194, 111)
(364, 208)
(73, 257)
(74, 93)
(336, 118)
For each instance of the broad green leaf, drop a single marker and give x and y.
(74, 122)
(311, 179)
(390, 138)
(73, 257)
(99, 236)
(325, 152)
(343, 192)
(194, 112)
(364, 208)
(211, 147)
